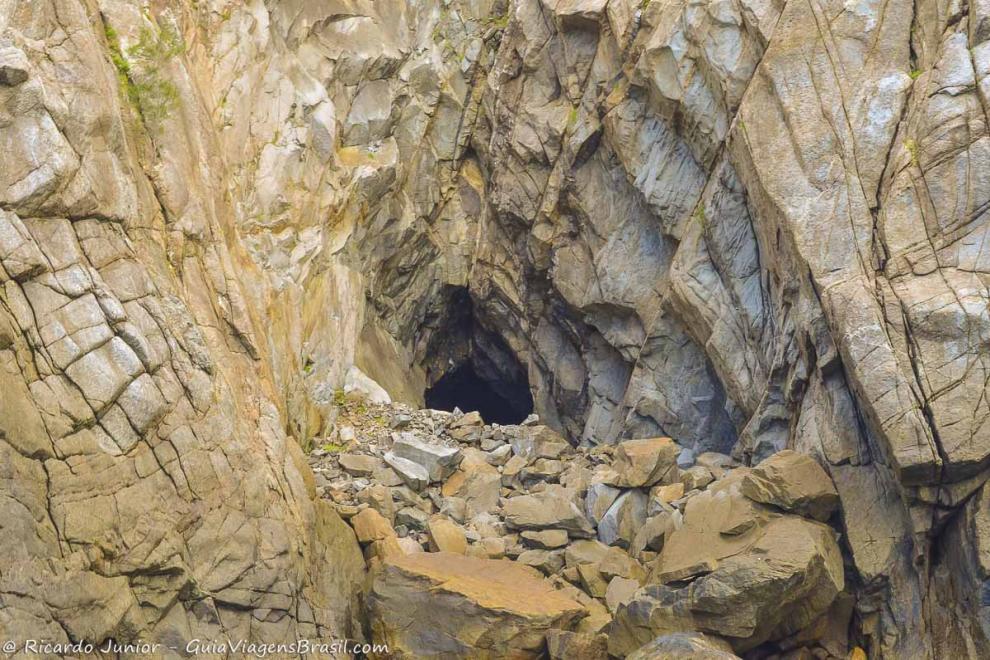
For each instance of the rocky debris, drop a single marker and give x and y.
(646, 236)
(684, 646)
(699, 555)
(427, 604)
(735, 569)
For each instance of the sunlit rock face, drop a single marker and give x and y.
(747, 225)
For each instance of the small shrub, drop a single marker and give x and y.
(144, 84)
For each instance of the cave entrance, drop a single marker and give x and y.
(463, 388)
(472, 368)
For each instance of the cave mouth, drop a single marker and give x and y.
(471, 367)
(463, 388)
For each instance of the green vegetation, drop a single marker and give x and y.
(333, 447)
(498, 22)
(572, 117)
(339, 397)
(912, 148)
(915, 73)
(699, 213)
(145, 86)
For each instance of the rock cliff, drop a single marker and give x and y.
(749, 225)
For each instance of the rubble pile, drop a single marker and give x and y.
(507, 537)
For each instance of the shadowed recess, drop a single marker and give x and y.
(463, 388)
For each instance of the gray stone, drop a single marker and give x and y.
(438, 461)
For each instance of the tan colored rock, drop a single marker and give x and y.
(445, 536)
(623, 519)
(369, 526)
(696, 477)
(617, 563)
(645, 462)
(685, 646)
(619, 592)
(781, 581)
(592, 580)
(654, 532)
(477, 482)
(358, 465)
(546, 511)
(567, 645)
(793, 482)
(668, 493)
(379, 498)
(496, 607)
(546, 539)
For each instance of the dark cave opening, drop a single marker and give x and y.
(472, 368)
(463, 388)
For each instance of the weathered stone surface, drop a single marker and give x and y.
(438, 461)
(773, 586)
(645, 462)
(413, 474)
(685, 646)
(623, 519)
(445, 536)
(792, 482)
(546, 511)
(358, 464)
(438, 603)
(369, 525)
(749, 226)
(598, 500)
(564, 645)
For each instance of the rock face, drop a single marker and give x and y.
(748, 226)
(450, 606)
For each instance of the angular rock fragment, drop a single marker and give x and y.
(438, 461)
(438, 603)
(645, 462)
(793, 482)
(623, 519)
(545, 511)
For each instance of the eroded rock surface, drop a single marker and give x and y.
(746, 226)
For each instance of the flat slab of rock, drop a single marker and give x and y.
(545, 511)
(413, 474)
(439, 461)
(454, 606)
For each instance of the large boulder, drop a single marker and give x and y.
(546, 511)
(793, 482)
(476, 481)
(684, 646)
(439, 461)
(785, 577)
(440, 605)
(645, 462)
